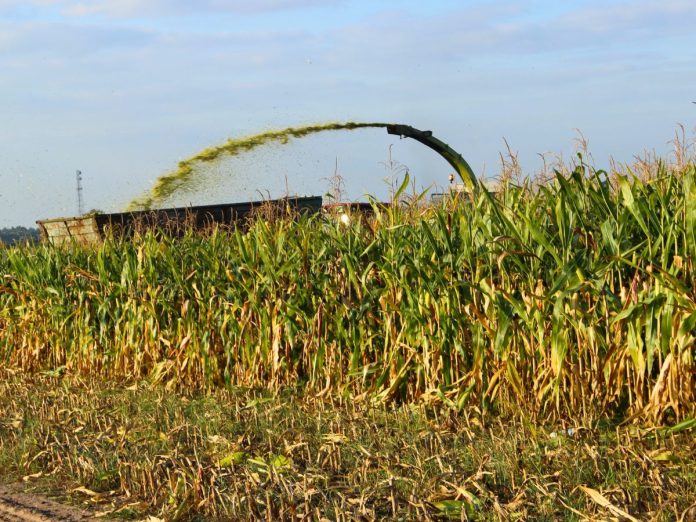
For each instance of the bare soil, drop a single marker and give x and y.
(22, 507)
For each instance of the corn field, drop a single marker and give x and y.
(575, 297)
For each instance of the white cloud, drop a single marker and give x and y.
(153, 8)
(506, 36)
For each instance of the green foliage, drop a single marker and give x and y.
(570, 299)
(15, 235)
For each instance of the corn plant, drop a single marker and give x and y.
(572, 298)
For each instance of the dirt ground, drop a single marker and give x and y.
(22, 507)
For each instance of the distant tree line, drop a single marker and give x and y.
(12, 235)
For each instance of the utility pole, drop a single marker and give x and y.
(80, 202)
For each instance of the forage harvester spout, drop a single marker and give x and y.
(452, 156)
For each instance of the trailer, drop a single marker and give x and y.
(94, 227)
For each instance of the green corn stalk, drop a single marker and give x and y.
(575, 295)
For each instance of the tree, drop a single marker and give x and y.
(14, 235)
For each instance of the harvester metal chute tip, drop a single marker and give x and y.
(452, 156)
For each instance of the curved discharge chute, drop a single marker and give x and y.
(452, 156)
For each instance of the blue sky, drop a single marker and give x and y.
(124, 89)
